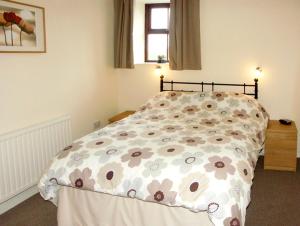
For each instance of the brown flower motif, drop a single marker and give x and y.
(161, 192)
(229, 120)
(209, 105)
(135, 156)
(195, 127)
(219, 96)
(252, 159)
(256, 115)
(245, 171)
(191, 110)
(71, 148)
(81, 179)
(171, 128)
(254, 141)
(219, 139)
(151, 133)
(192, 141)
(173, 95)
(263, 110)
(237, 94)
(242, 114)
(99, 143)
(162, 104)
(209, 122)
(236, 217)
(145, 107)
(236, 134)
(124, 135)
(156, 118)
(192, 186)
(110, 175)
(176, 116)
(221, 167)
(170, 150)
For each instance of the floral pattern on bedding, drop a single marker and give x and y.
(194, 150)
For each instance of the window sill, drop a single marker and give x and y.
(151, 63)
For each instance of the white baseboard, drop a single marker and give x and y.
(16, 200)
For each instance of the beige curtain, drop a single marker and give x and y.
(185, 49)
(123, 33)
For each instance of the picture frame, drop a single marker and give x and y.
(22, 28)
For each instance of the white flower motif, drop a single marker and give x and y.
(236, 190)
(188, 160)
(185, 100)
(211, 149)
(201, 96)
(77, 158)
(50, 188)
(233, 102)
(216, 204)
(237, 150)
(138, 142)
(133, 188)
(154, 168)
(107, 153)
(163, 140)
(224, 112)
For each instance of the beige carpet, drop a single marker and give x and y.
(275, 202)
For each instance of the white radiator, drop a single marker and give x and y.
(26, 153)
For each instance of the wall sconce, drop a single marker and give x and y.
(158, 71)
(258, 73)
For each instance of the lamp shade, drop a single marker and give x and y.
(158, 70)
(258, 72)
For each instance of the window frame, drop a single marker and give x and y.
(149, 30)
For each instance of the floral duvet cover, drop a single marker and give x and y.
(194, 150)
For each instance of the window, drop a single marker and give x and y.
(157, 17)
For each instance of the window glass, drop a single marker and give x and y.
(160, 18)
(157, 45)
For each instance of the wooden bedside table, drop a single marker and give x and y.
(120, 116)
(281, 147)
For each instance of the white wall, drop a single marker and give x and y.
(236, 37)
(74, 77)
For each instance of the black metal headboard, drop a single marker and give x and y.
(212, 84)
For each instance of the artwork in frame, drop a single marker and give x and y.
(22, 28)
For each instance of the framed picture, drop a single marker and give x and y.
(22, 28)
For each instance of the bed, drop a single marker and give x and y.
(185, 158)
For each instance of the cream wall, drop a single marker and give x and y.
(75, 77)
(237, 36)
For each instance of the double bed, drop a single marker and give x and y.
(185, 158)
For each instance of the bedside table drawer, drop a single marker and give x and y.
(280, 159)
(285, 145)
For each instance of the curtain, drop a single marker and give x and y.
(123, 46)
(185, 49)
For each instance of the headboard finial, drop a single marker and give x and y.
(256, 88)
(161, 83)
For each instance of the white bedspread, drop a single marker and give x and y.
(195, 150)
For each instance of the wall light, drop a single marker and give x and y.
(258, 73)
(158, 71)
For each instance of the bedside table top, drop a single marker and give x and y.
(274, 125)
(120, 116)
